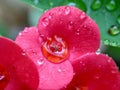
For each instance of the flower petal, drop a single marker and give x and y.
(93, 67)
(77, 29)
(23, 72)
(52, 76)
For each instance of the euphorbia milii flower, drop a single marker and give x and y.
(63, 34)
(17, 71)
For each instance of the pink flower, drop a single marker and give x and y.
(17, 71)
(63, 47)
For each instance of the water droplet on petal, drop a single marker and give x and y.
(55, 49)
(67, 10)
(96, 4)
(40, 61)
(23, 53)
(77, 32)
(60, 11)
(70, 25)
(98, 52)
(20, 34)
(114, 30)
(111, 5)
(25, 31)
(109, 61)
(59, 70)
(99, 66)
(118, 19)
(97, 77)
(45, 21)
(82, 16)
(113, 72)
(4, 77)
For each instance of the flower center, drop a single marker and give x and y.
(4, 77)
(55, 49)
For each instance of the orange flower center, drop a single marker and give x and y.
(55, 49)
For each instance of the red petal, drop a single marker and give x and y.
(23, 72)
(52, 76)
(93, 67)
(76, 28)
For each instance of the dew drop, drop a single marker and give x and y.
(113, 72)
(23, 53)
(51, 4)
(71, 4)
(96, 76)
(36, 1)
(59, 70)
(45, 21)
(81, 62)
(98, 52)
(77, 32)
(99, 66)
(20, 34)
(25, 31)
(109, 61)
(114, 30)
(70, 24)
(118, 19)
(113, 44)
(67, 10)
(60, 11)
(111, 5)
(83, 16)
(2, 77)
(106, 42)
(96, 4)
(40, 61)
(55, 49)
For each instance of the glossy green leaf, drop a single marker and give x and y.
(106, 16)
(105, 12)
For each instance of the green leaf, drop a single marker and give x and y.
(105, 12)
(106, 16)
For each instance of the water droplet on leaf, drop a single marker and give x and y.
(114, 30)
(36, 1)
(118, 19)
(45, 21)
(106, 42)
(71, 4)
(51, 4)
(96, 4)
(111, 5)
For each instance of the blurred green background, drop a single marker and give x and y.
(15, 15)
